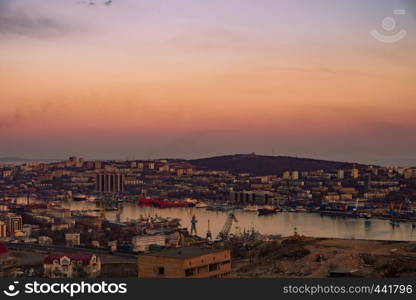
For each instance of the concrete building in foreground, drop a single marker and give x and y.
(187, 262)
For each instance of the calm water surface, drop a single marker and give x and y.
(308, 224)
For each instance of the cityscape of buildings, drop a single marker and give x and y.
(74, 243)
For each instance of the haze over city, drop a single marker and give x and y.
(153, 79)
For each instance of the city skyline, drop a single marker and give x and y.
(143, 79)
(23, 160)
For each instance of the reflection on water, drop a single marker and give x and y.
(309, 224)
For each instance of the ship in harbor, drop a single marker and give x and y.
(82, 197)
(79, 197)
(267, 210)
(251, 208)
(201, 205)
(164, 203)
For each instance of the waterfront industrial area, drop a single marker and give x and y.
(309, 218)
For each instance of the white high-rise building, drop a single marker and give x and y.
(295, 175)
(286, 175)
(355, 173)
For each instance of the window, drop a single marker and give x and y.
(161, 271)
(213, 267)
(189, 272)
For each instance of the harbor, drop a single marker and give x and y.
(312, 224)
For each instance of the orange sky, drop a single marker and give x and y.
(191, 84)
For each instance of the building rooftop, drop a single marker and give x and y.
(185, 252)
(3, 249)
(84, 257)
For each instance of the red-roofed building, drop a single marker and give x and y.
(6, 260)
(71, 265)
(3, 249)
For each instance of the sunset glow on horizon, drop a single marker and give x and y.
(186, 79)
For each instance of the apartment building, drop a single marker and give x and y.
(187, 262)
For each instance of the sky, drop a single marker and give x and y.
(194, 78)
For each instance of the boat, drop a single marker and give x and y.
(171, 204)
(251, 208)
(191, 201)
(267, 210)
(301, 209)
(224, 208)
(337, 213)
(79, 197)
(365, 215)
(201, 205)
(163, 203)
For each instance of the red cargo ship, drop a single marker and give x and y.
(148, 201)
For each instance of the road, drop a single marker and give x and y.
(64, 249)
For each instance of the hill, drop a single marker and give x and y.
(266, 165)
(25, 160)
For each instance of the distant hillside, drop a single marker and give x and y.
(24, 160)
(266, 165)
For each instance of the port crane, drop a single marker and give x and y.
(225, 231)
(393, 210)
(209, 234)
(193, 225)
